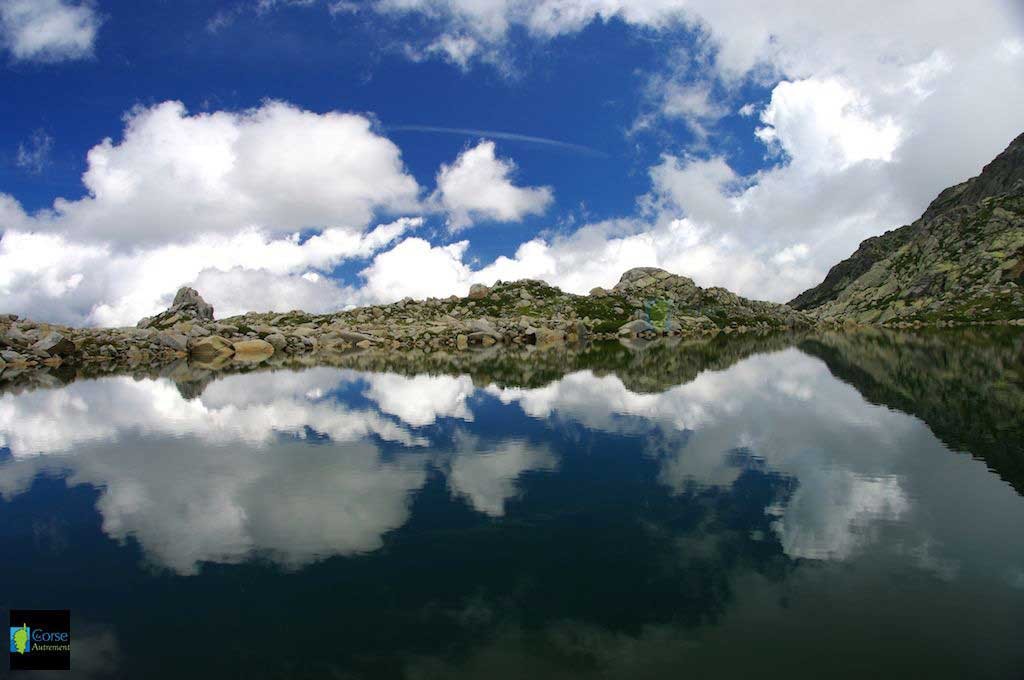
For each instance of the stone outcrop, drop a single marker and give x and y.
(961, 262)
(188, 305)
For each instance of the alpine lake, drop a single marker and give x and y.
(821, 505)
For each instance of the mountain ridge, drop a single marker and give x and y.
(962, 260)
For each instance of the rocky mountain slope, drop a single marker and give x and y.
(962, 261)
(646, 303)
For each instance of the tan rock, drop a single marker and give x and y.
(210, 347)
(253, 351)
(478, 291)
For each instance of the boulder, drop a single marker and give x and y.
(190, 301)
(253, 350)
(54, 344)
(545, 337)
(598, 292)
(461, 341)
(10, 356)
(478, 291)
(176, 341)
(277, 341)
(14, 336)
(635, 327)
(354, 337)
(210, 347)
(483, 326)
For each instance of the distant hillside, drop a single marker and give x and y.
(963, 260)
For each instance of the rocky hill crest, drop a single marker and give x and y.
(962, 261)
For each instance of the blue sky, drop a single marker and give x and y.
(750, 148)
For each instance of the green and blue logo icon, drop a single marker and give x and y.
(40, 639)
(21, 639)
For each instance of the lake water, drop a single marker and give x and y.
(820, 506)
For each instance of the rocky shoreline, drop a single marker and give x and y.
(647, 303)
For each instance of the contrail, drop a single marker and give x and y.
(512, 136)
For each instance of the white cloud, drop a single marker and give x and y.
(826, 126)
(414, 268)
(51, 277)
(174, 176)
(459, 50)
(215, 200)
(478, 185)
(48, 30)
(790, 36)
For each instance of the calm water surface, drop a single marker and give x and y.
(834, 506)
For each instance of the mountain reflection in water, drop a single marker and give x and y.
(841, 504)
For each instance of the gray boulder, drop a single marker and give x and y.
(190, 301)
(14, 336)
(55, 345)
(277, 341)
(176, 341)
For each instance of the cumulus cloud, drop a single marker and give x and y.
(173, 175)
(52, 277)
(415, 268)
(48, 30)
(826, 126)
(478, 186)
(214, 200)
